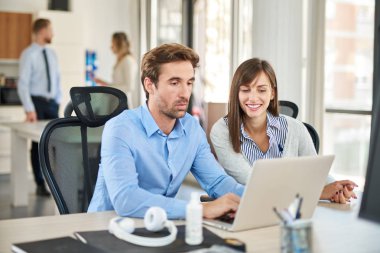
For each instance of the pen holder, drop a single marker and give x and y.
(297, 237)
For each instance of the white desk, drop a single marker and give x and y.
(21, 132)
(336, 228)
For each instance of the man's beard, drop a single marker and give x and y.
(175, 114)
(47, 40)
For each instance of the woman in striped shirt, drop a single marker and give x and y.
(253, 129)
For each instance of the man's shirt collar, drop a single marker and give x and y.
(151, 126)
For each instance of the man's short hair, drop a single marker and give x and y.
(166, 53)
(40, 24)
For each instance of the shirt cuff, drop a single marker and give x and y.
(29, 107)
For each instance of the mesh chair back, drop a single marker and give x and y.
(95, 105)
(288, 108)
(70, 148)
(63, 163)
(68, 110)
(314, 135)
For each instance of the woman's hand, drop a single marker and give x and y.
(339, 191)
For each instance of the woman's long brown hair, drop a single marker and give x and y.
(244, 75)
(122, 44)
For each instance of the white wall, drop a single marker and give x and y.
(277, 37)
(23, 5)
(101, 18)
(315, 63)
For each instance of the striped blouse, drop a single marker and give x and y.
(277, 127)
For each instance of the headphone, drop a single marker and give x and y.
(155, 219)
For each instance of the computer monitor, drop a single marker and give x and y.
(370, 206)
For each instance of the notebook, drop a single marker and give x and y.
(275, 183)
(109, 243)
(102, 241)
(56, 245)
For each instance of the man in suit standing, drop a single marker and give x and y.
(39, 87)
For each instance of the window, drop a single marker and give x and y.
(212, 40)
(348, 85)
(169, 25)
(161, 22)
(244, 30)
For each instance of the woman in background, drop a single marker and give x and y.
(253, 129)
(124, 75)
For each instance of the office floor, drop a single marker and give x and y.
(38, 206)
(42, 206)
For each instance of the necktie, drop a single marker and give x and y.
(47, 69)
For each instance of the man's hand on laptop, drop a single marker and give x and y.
(339, 191)
(225, 204)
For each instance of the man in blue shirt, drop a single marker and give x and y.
(148, 151)
(39, 87)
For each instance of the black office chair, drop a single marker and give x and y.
(291, 109)
(70, 147)
(314, 135)
(288, 108)
(68, 110)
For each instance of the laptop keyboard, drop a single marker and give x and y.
(226, 218)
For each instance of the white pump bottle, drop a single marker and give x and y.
(194, 216)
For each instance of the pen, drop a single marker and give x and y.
(293, 207)
(286, 215)
(279, 215)
(298, 213)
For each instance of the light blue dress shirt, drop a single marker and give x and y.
(33, 78)
(143, 167)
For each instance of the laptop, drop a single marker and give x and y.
(275, 183)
